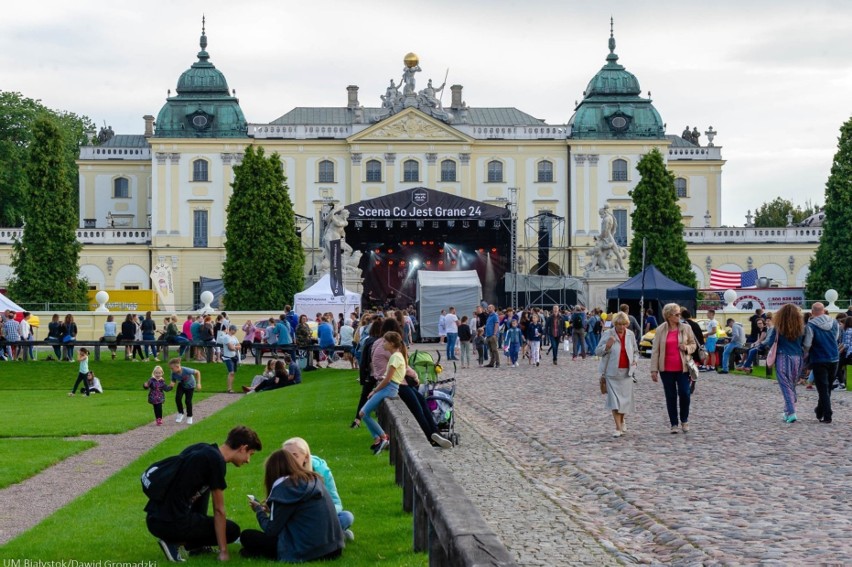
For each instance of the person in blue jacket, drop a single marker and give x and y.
(299, 448)
(297, 519)
(821, 336)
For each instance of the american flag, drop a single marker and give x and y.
(720, 279)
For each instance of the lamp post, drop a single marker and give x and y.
(513, 244)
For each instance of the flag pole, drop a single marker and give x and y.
(642, 295)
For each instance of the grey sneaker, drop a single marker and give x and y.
(348, 535)
(442, 441)
(674, 430)
(171, 551)
(381, 447)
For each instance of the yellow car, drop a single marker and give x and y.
(647, 341)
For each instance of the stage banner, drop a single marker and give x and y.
(421, 203)
(336, 269)
(768, 299)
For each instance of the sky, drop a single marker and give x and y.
(773, 78)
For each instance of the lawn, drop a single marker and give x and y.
(110, 518)
(24, 458)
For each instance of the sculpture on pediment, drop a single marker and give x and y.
(411, 67)
(427, 97)
(105, 135)
(391, 96)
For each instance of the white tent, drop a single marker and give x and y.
(6, 303)
(319, 299)
(440, 290)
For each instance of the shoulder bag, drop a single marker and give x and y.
(773, 352)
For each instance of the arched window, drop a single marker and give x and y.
(410, 170)
(121, 188)
(374, 170)
(495, 172)
(545, 171)
(199, 170)
(680, 187)
(619, 170)
(448, 170)
(326, 171)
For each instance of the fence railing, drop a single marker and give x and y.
(447, 523)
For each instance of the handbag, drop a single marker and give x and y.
(603, 385)
(770, 357)
(692, 368)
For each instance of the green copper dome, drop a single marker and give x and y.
(612, 107)
(203, 107)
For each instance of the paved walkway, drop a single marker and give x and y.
(741, 488)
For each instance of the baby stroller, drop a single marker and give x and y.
(438, 392)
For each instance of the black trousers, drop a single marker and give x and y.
(416, 404)
(180, 392)
(194, 530)
(824, 373)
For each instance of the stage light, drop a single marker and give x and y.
(420, 224)
(434, 224)
(404, 224)
(496, 224)
(358, 224)
(493, 250)
(390, 262)
(415, 263)
(481, 224)
(440, 250)
(465, 224)
(402, 262)
(451, 223)
(423, 243)
(378, 262)
(373, 224)
(453, 262)
(390, 250)
(454, 250)
(440, 262)
(481, 250)
(378, 251)
(431, 243)
(428, 262)
(388, 224)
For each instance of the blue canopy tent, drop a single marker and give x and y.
(656, 290)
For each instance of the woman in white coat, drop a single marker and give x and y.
(617, 351)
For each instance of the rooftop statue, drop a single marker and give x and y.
(391, 96)
(427, 96)
(411, 67)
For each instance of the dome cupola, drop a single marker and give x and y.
(203, 107)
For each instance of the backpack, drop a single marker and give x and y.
(158, 478)
(598, 326)
(577, 321)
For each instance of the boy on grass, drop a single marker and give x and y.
(181, 519)
(187, 380)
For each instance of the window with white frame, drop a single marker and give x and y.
(410, 170)
(448, 170)
(545, 171)
(619, 170)
(199, 170)
(495, 171)
(374, 170)
(121, 188)
(326, 171)
(680, 187)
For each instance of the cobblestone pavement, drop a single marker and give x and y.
(741, 487)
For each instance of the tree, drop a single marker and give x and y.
(657, 218)
(264, 267)
(829, 268)
(774, 213)
(17, 117)
(45, 259)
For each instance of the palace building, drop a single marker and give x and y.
(428, 183)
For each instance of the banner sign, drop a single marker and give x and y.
(421, 203)
(768, 299)
(336, 269)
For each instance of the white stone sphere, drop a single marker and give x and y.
(831, 295)
(102, 297)
(730, 296)
(207, 297)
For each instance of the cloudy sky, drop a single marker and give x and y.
(773, 78)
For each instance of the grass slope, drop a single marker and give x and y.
(24, 458)
(110, 517)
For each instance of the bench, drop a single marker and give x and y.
(93, 346)
(259, 349)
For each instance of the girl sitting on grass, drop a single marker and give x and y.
(92, 385)
(157, 387)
